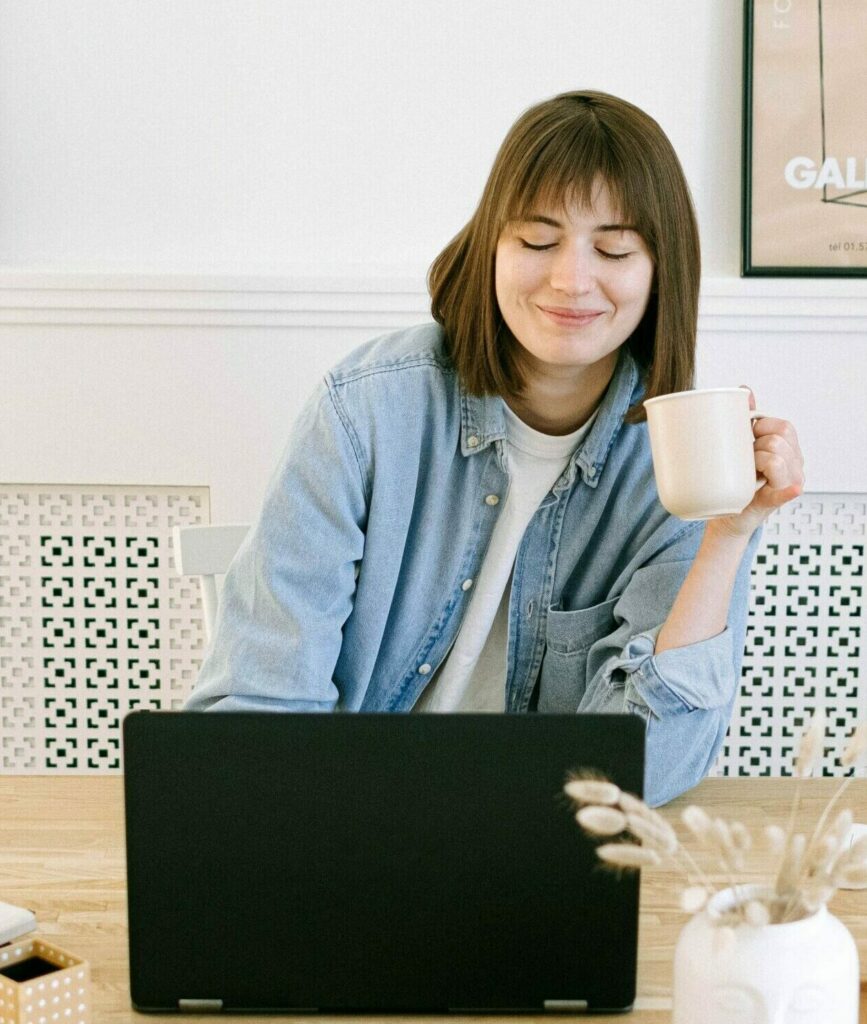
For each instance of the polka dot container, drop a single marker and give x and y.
(55, 992)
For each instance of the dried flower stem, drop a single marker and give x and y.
(727, 859)
(790, 830)
(811, 746)
(713, 833)
(691, 865)
(800, 877)
(810, 749)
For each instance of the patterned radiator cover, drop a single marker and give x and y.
(94, 623)
(93, 620)
(805, 639)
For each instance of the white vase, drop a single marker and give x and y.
(800, 972)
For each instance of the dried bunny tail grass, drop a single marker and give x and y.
(631, 804)
(666, 833)
(741, 837)
(816, 896)
(601, 821)
(838, 830)
(713, 833)
(819, 859)
(652, 834)
(811, 746)
(693, 898)
(816, 858)
(842, 825)
(721, 836)
(757, 914)
(787, 876)
(592, 791)
(856, 747)
(627, 855)
(850, 858)
(776, 838)
(698, 822)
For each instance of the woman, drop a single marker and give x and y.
(466, 516)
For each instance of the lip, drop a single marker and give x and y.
(571, 317)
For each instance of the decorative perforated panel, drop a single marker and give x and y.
(93, 620)
(805, 639)
(94, 623)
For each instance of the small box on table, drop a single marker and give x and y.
(40, 983)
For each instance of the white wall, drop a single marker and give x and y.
(254, 134)
(203, 203)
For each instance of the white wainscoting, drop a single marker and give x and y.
(340, 299)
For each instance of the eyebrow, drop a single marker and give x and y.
(538, 218)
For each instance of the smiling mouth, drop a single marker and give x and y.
(570, 318)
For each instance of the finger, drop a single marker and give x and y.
(771, 425)
(776, 444)
(780, 476)
(769, 499)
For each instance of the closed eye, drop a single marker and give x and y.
(602, 252)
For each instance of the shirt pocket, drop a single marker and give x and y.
(568, 639)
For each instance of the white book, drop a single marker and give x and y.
(14, 922)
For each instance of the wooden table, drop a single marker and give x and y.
(62, 855)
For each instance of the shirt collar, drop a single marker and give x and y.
(483, 421)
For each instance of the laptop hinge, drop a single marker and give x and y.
(200, 1005)
(566, 1005)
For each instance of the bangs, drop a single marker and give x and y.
(563, 170)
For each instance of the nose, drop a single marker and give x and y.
(572, 271)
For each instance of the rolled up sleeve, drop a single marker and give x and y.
(685, 694)
(679, 679)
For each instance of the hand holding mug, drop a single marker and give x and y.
(779, 469)
(716, 457)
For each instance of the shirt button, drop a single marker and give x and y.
(472, 441)
(466, 584)
(492, 499)
(424, 669)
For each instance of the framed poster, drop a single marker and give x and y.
(805, 138)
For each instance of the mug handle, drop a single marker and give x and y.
(756, 414)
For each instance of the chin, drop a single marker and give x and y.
(568, 361)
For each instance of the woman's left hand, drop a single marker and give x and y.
(780, 462)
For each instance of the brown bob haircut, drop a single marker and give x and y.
(552, 156)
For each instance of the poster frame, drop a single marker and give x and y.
(748, 268)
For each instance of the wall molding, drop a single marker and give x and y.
(355, 299)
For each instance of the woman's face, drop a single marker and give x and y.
(572, 286)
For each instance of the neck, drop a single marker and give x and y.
(559, 400)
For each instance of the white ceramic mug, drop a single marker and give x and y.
(702, 447)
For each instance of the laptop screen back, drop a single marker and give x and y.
(404, 863)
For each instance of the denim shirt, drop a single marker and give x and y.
(348, 592)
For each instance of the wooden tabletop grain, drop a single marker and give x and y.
(62, 856)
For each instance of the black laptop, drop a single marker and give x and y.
(294, 863)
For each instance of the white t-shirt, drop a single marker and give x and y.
(473, 675)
